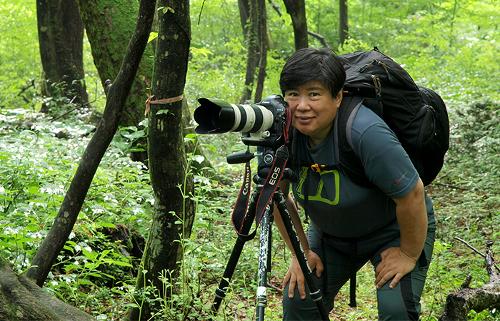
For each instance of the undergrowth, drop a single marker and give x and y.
(450, 49)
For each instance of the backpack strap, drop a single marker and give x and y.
(345, 155)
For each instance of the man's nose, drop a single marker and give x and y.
(302, 102)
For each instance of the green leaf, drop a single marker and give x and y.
(117, 263)
(105, 224)
(33, 189)
(201, 51)
(166, 9)
(152, 36)
(162, 112)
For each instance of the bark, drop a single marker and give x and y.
(263, 46)
(460, 303)
(244, 8)
(317, 36)
(109, 25)
(252, 53)
(75, 196)
(170, 181)
(297, 11)
(60, 37)
(343, 22)
(23, 300)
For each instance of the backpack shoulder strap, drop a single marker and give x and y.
(344, 153)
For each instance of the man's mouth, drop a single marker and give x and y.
(303, 119)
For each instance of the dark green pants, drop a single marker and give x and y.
(342, 256)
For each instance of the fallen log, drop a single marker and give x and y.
(459, 304)
(22, 300)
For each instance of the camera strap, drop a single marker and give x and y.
(241, 214)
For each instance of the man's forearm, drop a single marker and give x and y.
(412, 218)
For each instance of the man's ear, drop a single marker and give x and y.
(338, 98)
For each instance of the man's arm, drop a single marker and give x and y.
(412, 219)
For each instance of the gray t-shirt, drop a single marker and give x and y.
(337, 205)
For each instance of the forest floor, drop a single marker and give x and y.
(39, 156)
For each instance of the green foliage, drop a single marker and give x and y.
(450, 46)
(19, 56)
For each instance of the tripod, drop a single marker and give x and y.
(264, 261)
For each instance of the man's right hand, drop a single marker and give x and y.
(295, 277)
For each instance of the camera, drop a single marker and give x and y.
(261, 124)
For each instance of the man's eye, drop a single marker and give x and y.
(314, 94)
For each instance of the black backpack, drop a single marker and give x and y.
(417, 115)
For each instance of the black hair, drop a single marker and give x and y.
(309, 64)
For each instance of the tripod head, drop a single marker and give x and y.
(265, 158)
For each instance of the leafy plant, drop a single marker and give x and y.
(450, 46)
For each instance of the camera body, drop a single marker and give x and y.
(261, 124)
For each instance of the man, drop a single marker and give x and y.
(388, 221)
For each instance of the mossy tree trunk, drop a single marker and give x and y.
(257, 43)
(297, 11)
(109, 25)
(244, 8)
(343, 22)
(75, 196)
(172, 185)
(252, 51)
(60, 37)
(263, 46)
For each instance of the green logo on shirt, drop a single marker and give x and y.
(327, 186)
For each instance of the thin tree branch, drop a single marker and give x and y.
(320, 38)
(475, 250)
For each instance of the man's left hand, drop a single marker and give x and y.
(394, 265)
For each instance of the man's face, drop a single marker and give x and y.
(313, 109)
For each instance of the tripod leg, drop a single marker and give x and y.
(220, 292)
(264, 255)
(270, 244)
(314, 291)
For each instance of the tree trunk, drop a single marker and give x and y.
(252, 53)
(263, 46)
(109, 25)
(23, 300)
(317, 36)
(244, 8)
(60, 37)
(173, 210)
(343, 22)
(73, 200)
(297, 11)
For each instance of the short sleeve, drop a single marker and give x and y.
(386, 163)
